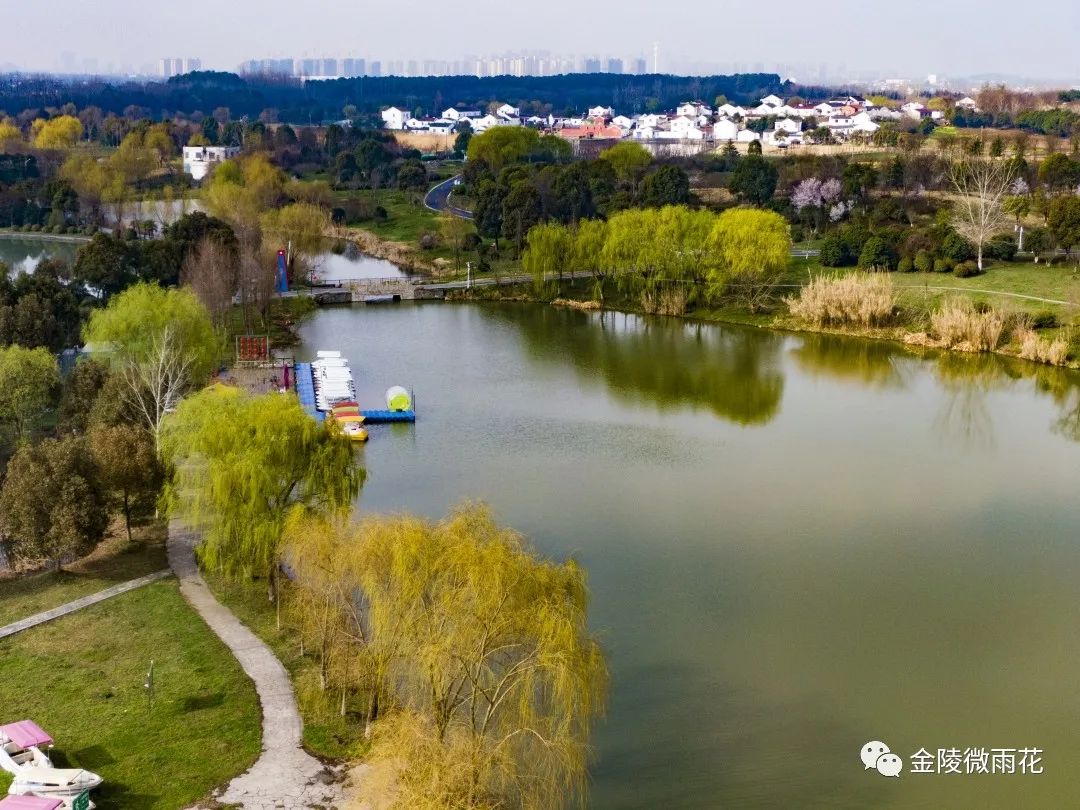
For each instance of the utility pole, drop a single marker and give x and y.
(468, 270)
(656, 57)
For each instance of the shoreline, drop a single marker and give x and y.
(39, 236)
(912, 342)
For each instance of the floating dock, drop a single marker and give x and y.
(387, 417)
(305, 391)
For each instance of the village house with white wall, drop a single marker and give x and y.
(773, 121)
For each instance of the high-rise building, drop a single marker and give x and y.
(375, 69)
(351, 68)
(329, 67)
(174, 66)
(614, 65)
(591, 65)
(641, 67)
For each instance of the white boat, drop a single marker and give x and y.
(33, 771)
(54, 783)
(19, 746)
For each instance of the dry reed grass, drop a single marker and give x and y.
(865, 299)
(959, 325)
(1033, 347)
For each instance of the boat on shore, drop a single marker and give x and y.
(32, 769)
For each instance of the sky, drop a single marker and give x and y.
(912, 38)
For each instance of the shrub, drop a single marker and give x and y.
(957, 248)
(833, 252)
(797, 233)
(958, 324)
(906, 265)
(429, 241)
(1044, 320)
(1001, 248)
(942, 266)
(1032, 347)
(876, 252)
(862, 299)
(924, 262)
(966, 269)
(380, 213)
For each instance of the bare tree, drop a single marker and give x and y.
(155, 382)
(981, 185)
(211, 272)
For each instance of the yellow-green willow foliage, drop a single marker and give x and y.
(653, 251)
(482, 675)
(242, 465)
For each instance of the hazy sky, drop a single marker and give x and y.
(909, 37)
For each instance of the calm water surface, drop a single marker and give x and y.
(795, 544)
(22, 253)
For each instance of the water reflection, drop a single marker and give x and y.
(969, 380)
(23, 254)
(737, 374)
(871, 363)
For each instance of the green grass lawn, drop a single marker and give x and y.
(113, 562)
(408, 219)
(1059, 282)
(326, 733)
(81, 678)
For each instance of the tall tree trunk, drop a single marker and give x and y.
(127, 515)
(373, 712)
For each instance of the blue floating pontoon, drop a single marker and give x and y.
(383, 417)
(305, 391)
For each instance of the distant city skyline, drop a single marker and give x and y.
(851, 39)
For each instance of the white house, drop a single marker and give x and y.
(913, 109)
(747, 136)
(601, 112)
(730, 110)
(763, 110)
(645, 133)
(686, 129)
(652, 120)
(787, 125)
(725, 130)
(393, 118)
(824, 108)
(508, 111)
(967, 103)
(864, 123)
(693, 109)
(199, 160)
(622, 122)
(772, 101)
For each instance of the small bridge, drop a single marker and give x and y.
(359, 290)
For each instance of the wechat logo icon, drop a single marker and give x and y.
(876, 754)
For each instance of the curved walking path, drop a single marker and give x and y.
(284, 776)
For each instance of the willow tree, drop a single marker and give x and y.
(242, 465)
(498, 676)
(550, 247)
(589, 253)
(752, 250)
(161, 343)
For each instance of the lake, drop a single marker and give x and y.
(795, 544)
(22, 253)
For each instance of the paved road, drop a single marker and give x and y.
(438, 199)
(284, 776)
(79, 604)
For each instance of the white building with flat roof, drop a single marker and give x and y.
(199, 160)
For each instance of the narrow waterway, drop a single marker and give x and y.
(795, 544)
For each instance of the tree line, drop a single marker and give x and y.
(297, 102)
